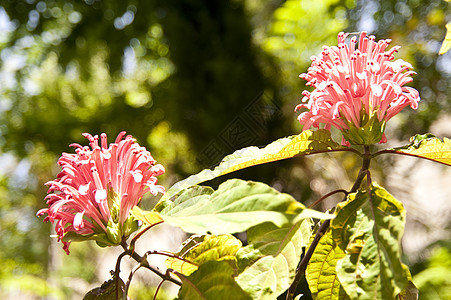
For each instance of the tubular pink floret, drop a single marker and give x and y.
(355, 79)
(79, 200)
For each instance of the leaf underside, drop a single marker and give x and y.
(268, 264)
(369, 232)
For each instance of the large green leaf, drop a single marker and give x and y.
(199, 249)
(308, 142)
(268, 264)
(236, 206)
(321, 271)
(370, 234)
(212, 281)
(426, 146)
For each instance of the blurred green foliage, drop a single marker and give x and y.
(434, 282)
(178, 75)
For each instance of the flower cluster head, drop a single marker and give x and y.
(357, 90)
(96, 189)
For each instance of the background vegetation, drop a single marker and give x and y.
(192, 80)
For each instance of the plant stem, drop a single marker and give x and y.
(117, 270)
(327, 196)
(129, 281)
(158, 289)
(300, 271)
(143, 261)
(139, 234)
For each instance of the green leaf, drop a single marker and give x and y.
(199, 249)
(236, 206)
(370, 231)
(321, 272)
(268, 264)
(71, 236)
(308, 142)
(101, 238)
(212, 281)
(434, 281)
(426, 146)
(447, 41)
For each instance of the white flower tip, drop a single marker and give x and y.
(78, 221)
(155, 189)
(83, 189)
(100, 195)
(137, 176)
(377, 90)
(158, 170)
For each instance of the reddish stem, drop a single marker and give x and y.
(327, 196)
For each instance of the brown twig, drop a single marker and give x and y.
(144, 263)
(158, 287)
(139, 234)
(170, 255)
(117, 270)
(129, 281)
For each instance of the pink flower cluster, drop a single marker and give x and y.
(353, 85)
(92, 181)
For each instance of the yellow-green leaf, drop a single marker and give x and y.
(148, 217)
(427, 147)
(212, 281)
(199, 249)
(308, 142)
(447, 41)
(321, 272)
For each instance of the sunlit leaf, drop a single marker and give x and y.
(212, 281)
(370, 231)
(148, 217)
(236, 206)
(268, 264)
(447, 41)
(321, 272)
(308, 142)
(199, 249)
(428, 147)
